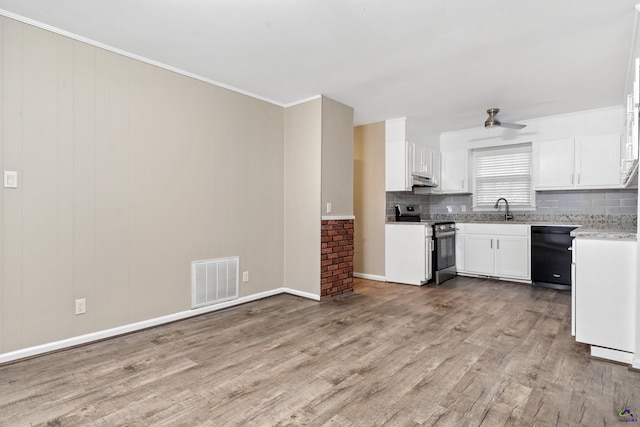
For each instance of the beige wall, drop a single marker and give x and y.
(127, 173)
(318, 169)
(369, 199)
(337, 157)
(302, 154)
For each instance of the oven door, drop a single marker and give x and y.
(445, 253)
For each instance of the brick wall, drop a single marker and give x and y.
(336, 260)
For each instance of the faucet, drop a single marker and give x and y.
(507, 214)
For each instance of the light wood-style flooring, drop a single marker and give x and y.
(470, 352)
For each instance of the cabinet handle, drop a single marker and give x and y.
(578, 178)
(498, 244)
(491, 243)
(573, 178)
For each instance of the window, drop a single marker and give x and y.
(503, 172)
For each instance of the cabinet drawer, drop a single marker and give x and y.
(498, 229)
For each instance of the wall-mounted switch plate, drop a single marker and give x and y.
(329, 207)
(245, 276)
(10, 179)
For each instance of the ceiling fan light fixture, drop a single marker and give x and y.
(492, 121)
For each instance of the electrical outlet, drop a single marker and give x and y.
(463, 208)
(81, 306)
(245, 276)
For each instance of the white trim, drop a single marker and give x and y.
(301, 293)
(132, 327)
(610, 354)
(370, 277)
(337, 217)
(97, 44)
(635, 364)
(302, 101)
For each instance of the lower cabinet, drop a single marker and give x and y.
(603, 295)
(497, 250)
(408, 253)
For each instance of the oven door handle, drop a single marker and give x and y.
(445, 234)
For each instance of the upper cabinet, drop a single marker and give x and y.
(454, 177)
(578, 163)
(404, 155)
(423, 160)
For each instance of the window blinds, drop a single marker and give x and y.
(503, 172)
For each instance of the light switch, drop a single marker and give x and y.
(10, 179)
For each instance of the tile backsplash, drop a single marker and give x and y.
(602, 205)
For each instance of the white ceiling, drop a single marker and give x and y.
(441, 63)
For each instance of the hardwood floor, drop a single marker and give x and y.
(470, 352)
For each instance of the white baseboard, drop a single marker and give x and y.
(609, 354)
(300, 293)
(132, 327)
(370, 277)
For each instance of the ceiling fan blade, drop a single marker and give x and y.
(512, 125)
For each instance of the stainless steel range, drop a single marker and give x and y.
(444, 251)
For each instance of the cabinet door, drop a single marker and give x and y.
(605, 282)
(453, 172)
(555, 163)
(513, 257)
(478, 254)
(422, 159)
(398, 165)
(416, 162)
(598, 160)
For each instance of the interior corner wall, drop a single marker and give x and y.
(337, 158)
(369, 199)
(126, 174)
(302, 189)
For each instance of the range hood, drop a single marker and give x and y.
(423, 180)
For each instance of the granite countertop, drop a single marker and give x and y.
(591, 233)
(590, 227)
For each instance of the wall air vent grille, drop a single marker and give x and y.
(214, 281)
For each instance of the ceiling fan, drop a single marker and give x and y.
(495, 120)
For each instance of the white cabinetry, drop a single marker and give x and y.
(604, 293)
(460, 241)
(454, 172)
(404, 154)
(497, 250)
(583, 162)
(422, 159)
(408, 251)
(555, 163)
(479, 254)
(398, 165)
(629, 162)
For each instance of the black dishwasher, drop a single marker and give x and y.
(551, 256)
